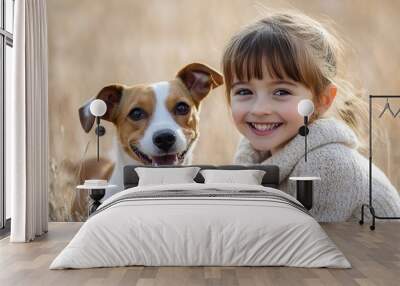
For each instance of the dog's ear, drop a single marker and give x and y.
(111, 95)
(200, 79)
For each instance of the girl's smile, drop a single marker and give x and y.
(263, 129)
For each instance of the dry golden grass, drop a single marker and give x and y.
(96, 42)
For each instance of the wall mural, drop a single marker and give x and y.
(127, 53)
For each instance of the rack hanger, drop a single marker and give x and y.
(387, 106)
(398, 111)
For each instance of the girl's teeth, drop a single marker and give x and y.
(264, 127)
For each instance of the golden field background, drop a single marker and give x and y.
(93, 43)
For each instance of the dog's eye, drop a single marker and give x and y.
(182, 108)
(137, 114)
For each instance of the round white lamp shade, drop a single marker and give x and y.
(305, 107)
(98, 107)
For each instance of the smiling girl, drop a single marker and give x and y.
(269, 67)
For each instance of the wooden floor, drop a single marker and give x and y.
(374, 255)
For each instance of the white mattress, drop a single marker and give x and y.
(183, 231)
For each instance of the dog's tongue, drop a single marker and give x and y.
(165, 160)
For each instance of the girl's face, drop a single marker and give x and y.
(265, 111)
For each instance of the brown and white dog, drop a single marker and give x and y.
(156, 124)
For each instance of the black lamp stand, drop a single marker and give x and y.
(304, 193)
(100, 131)
(96, 195)
(303, 131)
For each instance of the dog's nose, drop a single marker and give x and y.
(164, 139)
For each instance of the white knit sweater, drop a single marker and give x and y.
(332, 156)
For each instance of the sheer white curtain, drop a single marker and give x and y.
(27, 124)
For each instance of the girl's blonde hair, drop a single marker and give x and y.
(293, 45)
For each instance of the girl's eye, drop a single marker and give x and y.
(137, 114)
(243, 91)
(182, 108)
(281, 92)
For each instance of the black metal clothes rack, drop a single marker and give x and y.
(370, 205)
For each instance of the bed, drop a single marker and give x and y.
(201, 224)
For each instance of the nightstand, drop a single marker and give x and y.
(304, 190)
(96, 193)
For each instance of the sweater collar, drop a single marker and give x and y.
(322, 131)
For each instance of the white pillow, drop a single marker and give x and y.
(162, 176)
(249, 177)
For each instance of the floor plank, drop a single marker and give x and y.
(374, 255)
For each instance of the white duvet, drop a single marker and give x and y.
(183, 231)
